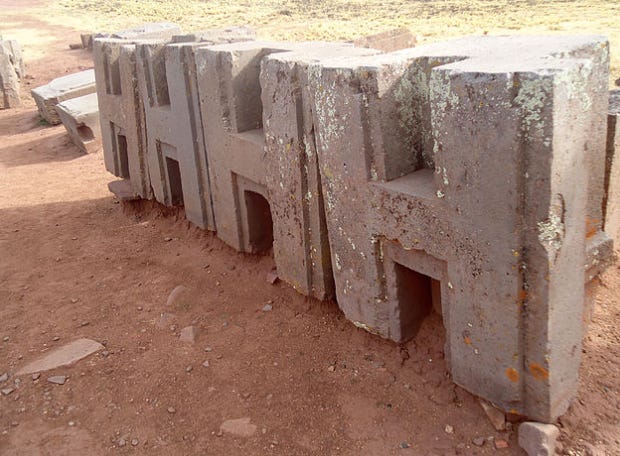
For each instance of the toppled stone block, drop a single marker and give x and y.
(11, 72)
(388, 41)
(61, 89)
(538, 439)
(80, 116)
(454, 181)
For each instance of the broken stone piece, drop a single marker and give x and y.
(240, 427)
(496, 416)
(538, 439)
(57, 379)
(188, 334)
(62, 356)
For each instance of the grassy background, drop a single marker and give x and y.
(430, 20)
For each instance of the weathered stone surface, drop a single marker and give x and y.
(57, 379)
(63, 356)
(496, 416)
(60, 89)
(388, 41)
(80, 116)
(11, 72)
(538, 439)
(241, 427)
(455, 173)
(301, 247)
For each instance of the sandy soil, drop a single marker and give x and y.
(76, 263)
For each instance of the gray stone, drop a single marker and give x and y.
(538, 439)
(80, 116)
(61, 89)
(188, 334)
(454, 173)
(123, 190)
(267, 308)
(7, 391)
(65, 355)
(148, 31)
(217, 36)
(175, 294)
(301, 247)
(240, 427)
(478, 441)
(388, 41)
(57, 379)
(11, 72)
(4, 377)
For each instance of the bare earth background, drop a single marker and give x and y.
(75, 263)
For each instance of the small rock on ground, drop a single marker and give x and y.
(496, 416)
(478, 441)
(272, 277)
(240, 427)
(538, 439)
(500, 444)
(267, 308)
(4, 377)
(57, 379)
(175, 295)
(188, 334)
(7, 391)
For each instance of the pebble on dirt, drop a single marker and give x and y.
(500, 444)
(7, 391)
(188, 334)
(57, 379)
(267, 308)
(4, 377)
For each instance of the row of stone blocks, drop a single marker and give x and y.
(469, 177)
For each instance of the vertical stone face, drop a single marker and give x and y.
(231, 108)
(178, 162)
(612, 168)
(80, 117)
(121, 113)
(301, 247)
(61, 89)
(455, 178)
(11, 72)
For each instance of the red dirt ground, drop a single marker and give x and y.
(75, 263)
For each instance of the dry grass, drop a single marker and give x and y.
(431, 20)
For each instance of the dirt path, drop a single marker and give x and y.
(74, 263)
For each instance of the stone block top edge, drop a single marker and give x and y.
(81, 105)
(66, 83)
(316, 52)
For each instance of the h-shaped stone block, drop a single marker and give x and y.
(178, 162)
(301, 246)
(455, 177)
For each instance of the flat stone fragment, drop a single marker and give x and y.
(240, 427)
(188, 334)
(60, 89)
(538, 439)
(7, 391)
(496, 416)
(122, 190)
(63, 356)
(57, 379)
(80, 116)
(4, 377)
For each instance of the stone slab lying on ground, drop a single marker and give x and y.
(60, 89)
(391, 40)
(148, 31)
(80, 116)
(62, 356)
(11, 72)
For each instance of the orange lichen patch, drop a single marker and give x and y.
(591, 227)
(467, 340)
(522, 295)
(512, 374)
(538, 372)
